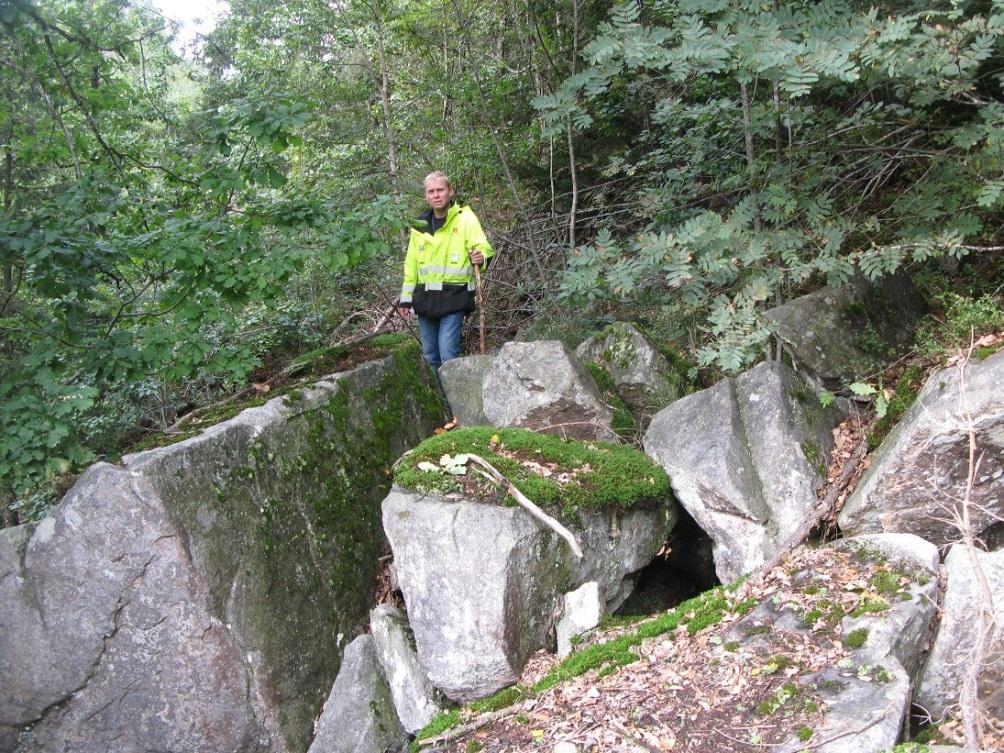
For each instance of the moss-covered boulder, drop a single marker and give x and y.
(846, 333)
(481, 577)
(203, 594)
(646, 377)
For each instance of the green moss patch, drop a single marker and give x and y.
(547, 469)
(856, 638)
(623, 422)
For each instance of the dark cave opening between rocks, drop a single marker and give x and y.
(683, 568)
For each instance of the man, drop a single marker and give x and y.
(438, 272)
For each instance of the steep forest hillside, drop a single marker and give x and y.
(176, 229)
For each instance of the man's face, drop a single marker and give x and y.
(438, 194)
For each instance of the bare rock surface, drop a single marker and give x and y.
(543, 386)
(745, 458)
(106, 637)
(941, 682)
(482, 582)
(415, 700)
(582, 610)
(463, 381)
(199, 599)
(359, 714)
(919, 474)
(842, 334)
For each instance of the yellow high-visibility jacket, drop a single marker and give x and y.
(438, 274)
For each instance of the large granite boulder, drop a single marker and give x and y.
(950, 658)
(880, 604)
(107, 636)
(918, 477)
(463, 380)
(543, 386)
(903, 630)
(745, 458)
(359, 714)
(641, 374)
(482, 582)
(199, 598)
(842, 334)
(415, 700)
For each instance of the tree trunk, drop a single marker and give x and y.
(8, 202)
(388, 116)
(568, 132)
(748, 132)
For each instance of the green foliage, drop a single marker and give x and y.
(965, 320)
(600, 474)
(904, 395)
(147, 242)
(826, 97)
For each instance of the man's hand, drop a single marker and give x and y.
(477, 257)
(403, 311)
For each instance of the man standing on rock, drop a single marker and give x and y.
(439, 271)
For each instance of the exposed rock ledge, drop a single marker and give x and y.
(200, 598)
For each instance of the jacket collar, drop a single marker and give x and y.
(423, 223)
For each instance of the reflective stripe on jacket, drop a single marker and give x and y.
(442, 259)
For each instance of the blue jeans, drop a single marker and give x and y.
(440, 338)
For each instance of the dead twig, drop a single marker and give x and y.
(494, 475)
(817, 513)
(457, 732)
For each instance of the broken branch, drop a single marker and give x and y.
(494, 475)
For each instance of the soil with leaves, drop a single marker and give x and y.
(740, 684)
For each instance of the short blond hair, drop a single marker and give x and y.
(437, 175)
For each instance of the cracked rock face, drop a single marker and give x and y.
(199, 598)
(543, 386)
(941, 682)
(920, 472)
(745, 458)
(103, 597)
(482, 582)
